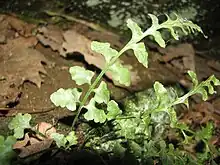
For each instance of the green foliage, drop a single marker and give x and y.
(137, 35)
(104, 49)
(135, 29)
(120, 73)
(206, 132)
(141, 53)
(81, 75)
(19, 123)
(113, 110)
(144, 124)
(185, 25)
(201, 88)
(6, 151)
(94, 113)
(65, 141)
(102, 95)
(66, 98)
(137, 130)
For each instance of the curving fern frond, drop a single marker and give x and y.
(185, 25)
(173, 25)
(204, 88)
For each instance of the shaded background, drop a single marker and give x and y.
(114, 13)
(206, 13)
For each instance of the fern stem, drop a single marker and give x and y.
(97, 80)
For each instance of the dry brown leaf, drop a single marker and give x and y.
(35, 148)
(21, 27)
(75, 42)
(5, 31)
(51, 36)
(202, 113)
(21, 143)
(32, 144)
(214, 65)
(11, 27)
(181, 57)
(19, 63)
(46, 129)
(205, 67)
(103, 35)
(34, 140)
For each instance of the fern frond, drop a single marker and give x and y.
(185, 25)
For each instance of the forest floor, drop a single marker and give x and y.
(34, 63)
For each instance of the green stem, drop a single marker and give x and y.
(125, 117)
(85, 98)
(113, 60)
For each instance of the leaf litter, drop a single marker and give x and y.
(34, 143)
(20, 63)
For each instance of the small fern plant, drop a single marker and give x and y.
(75, 100)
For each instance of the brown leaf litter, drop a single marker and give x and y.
(183, 57)
(180, 57)
(35, 143)
(202, 113)
(19, 61)
(20, 64)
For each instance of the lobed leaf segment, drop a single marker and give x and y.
(6, 150)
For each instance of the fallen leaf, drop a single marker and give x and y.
(35, 148)
(202, 113)
(19, 63)
(12, 27)
(180, 57)
(214, 65)
(32, 143)
(21, 27)
(75, 42)
(103, 35)
(21, 143)
(34, 140)
(50, 36)
(206, 67)
(46, 129)
(5, 31)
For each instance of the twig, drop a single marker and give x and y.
(14, 111)
(86, 23)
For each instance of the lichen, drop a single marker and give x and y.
(92, 3)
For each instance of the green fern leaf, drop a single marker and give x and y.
(166, 104)
(104, 49)
(19, 123)
(66, 98)
(185, 25)
(81, 75)
(113, 110)
(120, 73)
(93, 113)
(201, 88)
(7, 154)
(141, 53)
(136, 30)
(102, 94)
